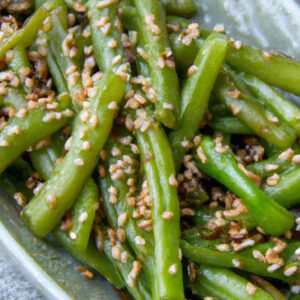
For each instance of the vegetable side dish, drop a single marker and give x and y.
(156, 152)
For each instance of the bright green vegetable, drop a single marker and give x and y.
(26, 35)
(232, 125)
(231, 91)
(271, 99)
(108, 49)
(180, 7)
(29, 127)
(153, 37)
(196, 92)
(92, 127)
(272, 217)
(225, 285)
(154, 144)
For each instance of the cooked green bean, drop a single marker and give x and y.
(92, 127)
(271, 99)
(29, 127)
(223, 167)
(231, 91)
(195, 93)
(165, 211)
(225, 285)
(153, 37)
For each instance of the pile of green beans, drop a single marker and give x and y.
(157, 153)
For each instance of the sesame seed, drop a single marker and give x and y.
(116, 252)
(187, 212)
(273, 180)
(21, 113)
(296, 159)
(201, 155)
(192, 70)
(173, 181)
(251, 289)
(272, 268)
(4, 143)
(122, 219)
(139, 241)
(106, 3)
(78, 162)
(234, 94)
(51, 200)
(295, 289)
(167, 215)
(72, 235)
(223, 247)
(20, 198)
(287, 154)
(289, 271)
(124, 257)
(270, 167)
(113, 105)
(116, 60)
(83, 217)
(86, 145)
(112, 43)
(219, 28)
(236, 263)
(173, 269)
(168, 106)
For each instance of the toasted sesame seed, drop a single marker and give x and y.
(78, 162)
(236, 263)
(173, 269)
(106, 3)
(234, 94)
(273, 180)
(86, 145)
(289, 271)
(272, 268)
(167, 215)
(72, 235)
(113, 105)
(112, 43)
(124, 257)
(270, 167)
(223, 247)
(4, 143)
(83, 217)
(251, 289)
(116, 60)
(173, 181)
(168, 106)
(139, 241)
(296, 159)
(192, 70)
(187, 212)
(287, 154)
(122, 219)
(51, 200)
(201, 155)
(20, 198)
(116, 252)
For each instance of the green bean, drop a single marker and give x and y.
(264, 64)
(196, 92)
(244, 260)
(92, 127)
(58, 78)
(181, 7)
(225, 285)
(231, 91)
(154, 144)
(24, 130)
(286, 192)
(223, 167)
(273, 100)
(268, 287)
(107, 45)
(57, 36)
(91, 256)
(83, 211)
(268, 167)
(94, 259)
(26, 35)
(144, 253)
(230, 125)
(19, 62)
(135, 283)
(154, 39)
